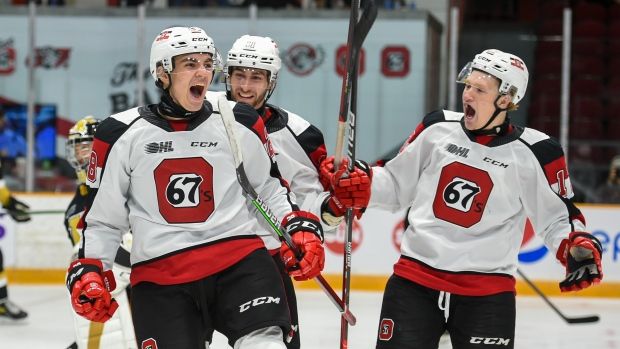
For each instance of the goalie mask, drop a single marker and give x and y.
(80, 143)
(254, 52)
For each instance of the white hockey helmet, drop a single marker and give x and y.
(176, 41)
(255, 52)
(79, 144)
(509, 69)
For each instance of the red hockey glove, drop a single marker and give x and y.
(307, 234)
(90, 290)
(581, 255)
(18, 210)
(352, 191)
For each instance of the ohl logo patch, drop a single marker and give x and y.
(386, 329)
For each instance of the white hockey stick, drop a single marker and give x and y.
(228, 119)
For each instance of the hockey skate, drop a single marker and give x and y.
(10, 311)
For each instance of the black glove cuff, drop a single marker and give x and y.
(297, 224)
(78, 270)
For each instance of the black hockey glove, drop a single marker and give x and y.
(581, 255)
(18, 210)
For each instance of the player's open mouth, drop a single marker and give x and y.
(197, 90)
(469, 111)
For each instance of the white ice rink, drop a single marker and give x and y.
(49, 325)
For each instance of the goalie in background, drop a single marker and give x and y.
(252, 67)
(471, 180)
(116, 333)
(19, 212)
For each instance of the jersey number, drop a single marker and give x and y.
(184, 190)
(462, 194)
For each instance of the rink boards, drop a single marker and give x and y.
(39, 251)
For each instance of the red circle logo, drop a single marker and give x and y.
(335, 242)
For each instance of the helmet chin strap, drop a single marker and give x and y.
(482, 131)
(168, 107)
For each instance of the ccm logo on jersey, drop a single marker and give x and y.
(258, 301)
(495, 162)
(494, 341)
(203, 144)
(91, 175)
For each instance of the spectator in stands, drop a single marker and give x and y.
(12, 144)
(609, 192)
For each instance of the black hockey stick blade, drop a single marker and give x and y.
(365, 22)
(570, 320)
(582, 320)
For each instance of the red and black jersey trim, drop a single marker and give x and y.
(108, 132)
(152, 115)
(313, 144)
(465, 283)
(311, 139)
(195, 262)
(551, 159)
(274, 118)
(430, 119)
(248, 117)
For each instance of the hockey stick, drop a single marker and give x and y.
(228, 119)
(570, 320)
(358, 30)
(43, 212)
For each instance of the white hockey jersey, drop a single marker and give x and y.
(177, 191)
(469, 199)
(299, 148)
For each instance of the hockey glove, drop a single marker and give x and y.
(352, 191)
(307, 235)
(17, 210)
(90, 290)
(581, 255)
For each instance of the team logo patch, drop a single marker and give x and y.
(49, 57)
(149, 344)
(336, 242)
(341, 61)
(7, 57)
(395, 61)
(301, 59)
(165, 35)
(386, 329)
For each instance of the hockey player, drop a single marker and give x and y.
(471, 180)
(252, 67)
(19, 212)
(118, 331)
(167, 172)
